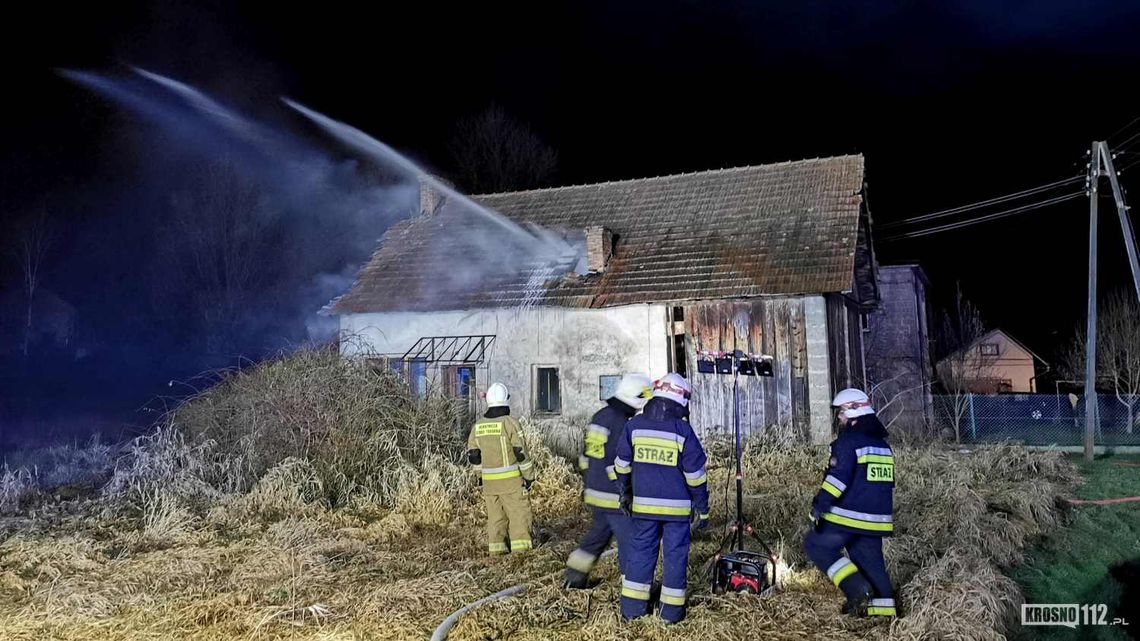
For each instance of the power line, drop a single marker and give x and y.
(981, 204)
(981, 219)
(1130, 164)
(1130, 123)
(1124, 146)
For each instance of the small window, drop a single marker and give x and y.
(607, 385)
(680, 360)
(396, 364)
(988, 349)
(417, 377)
(548, 393)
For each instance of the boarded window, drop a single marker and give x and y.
(548, 394)
(607, 385)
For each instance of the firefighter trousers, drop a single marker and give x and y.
(605, 526)
(862, 567)
(646, 537)
(508, 522)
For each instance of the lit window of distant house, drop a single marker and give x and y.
(548, 393)
(988, 349)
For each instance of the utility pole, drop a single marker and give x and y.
(1090, 328)
(1122, 213)
(1100, 162)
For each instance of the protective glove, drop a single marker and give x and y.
(625, 501)
(814, 517)
(526, 484)
(698, 522)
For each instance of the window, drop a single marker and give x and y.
(465, 381)
(459, 384)
(988, 349)
(548, 393)
(417, 377)
(680, 362)
(607, 385)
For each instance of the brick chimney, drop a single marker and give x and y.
(599, 248)
(431, 199)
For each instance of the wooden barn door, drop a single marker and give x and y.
(771, 408)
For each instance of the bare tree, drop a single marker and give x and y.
(32, 243)
(961, 362)
(889, 396)
(216, 251)
(493, 152)
(896, 383)
(1118, 352)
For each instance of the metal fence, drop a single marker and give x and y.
(1039, 419)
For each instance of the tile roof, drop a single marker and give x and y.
(783, 228)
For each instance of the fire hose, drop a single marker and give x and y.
(1125, 499)
(444, 628)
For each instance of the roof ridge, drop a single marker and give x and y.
(722, 170)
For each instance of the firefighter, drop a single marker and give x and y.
(496, 450)
(661, 484)
(852, 510)
(597, 463)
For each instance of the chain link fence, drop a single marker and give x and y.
(1039, 419)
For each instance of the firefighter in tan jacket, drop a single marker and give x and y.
(495, 448)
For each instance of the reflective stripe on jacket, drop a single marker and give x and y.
(597, 459)
(661, 459)
(857, 492)
(496, 439)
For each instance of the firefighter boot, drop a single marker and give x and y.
(857, 601)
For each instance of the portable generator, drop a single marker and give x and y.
(739, 569)
(744, 572)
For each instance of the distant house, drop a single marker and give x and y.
(996, 363)
(899, 365)
(772, 259)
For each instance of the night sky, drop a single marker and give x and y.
(950, 102)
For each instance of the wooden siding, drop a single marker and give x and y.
(771, 408)
(845, 341)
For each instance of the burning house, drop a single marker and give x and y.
(647, 275)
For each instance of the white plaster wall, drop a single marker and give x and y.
(583, 343)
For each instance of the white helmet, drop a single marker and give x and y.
(634, 389)
(673, 387)
(852, 402)
(497, 395)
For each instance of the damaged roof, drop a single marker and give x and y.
(784, 228)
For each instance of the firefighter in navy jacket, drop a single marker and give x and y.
(597, 464)
(853, 509)
(661, 478)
